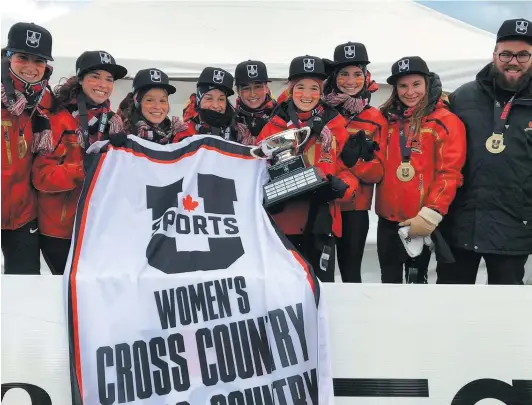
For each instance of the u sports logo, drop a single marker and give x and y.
(210, 215)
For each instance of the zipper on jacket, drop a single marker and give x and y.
(421, 191)
(64, 209)
(388, 142)
(8, 146)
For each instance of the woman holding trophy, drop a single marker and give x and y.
(311, 221)
(423, 157)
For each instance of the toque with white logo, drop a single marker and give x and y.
(408, 65)
(29, 38)
(146, 79)
(517, 29)
(99, 60)
(307, 66)
(251, 71)
(218, 78)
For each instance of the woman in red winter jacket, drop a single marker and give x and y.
(82, 116)
(424, 153)
(145, 110)
(312, 222)
(25, 130)
(348, 89)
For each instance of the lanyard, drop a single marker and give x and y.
(406, 151)
(84, 120)
(500, 116)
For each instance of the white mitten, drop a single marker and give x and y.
(413, 245)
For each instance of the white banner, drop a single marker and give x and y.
(391, 344)
(181, 290)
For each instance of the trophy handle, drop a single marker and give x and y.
(253, 152)
(307, 130)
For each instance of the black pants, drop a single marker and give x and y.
(501, 269)
(394, 259)
(313, 256)
(21, 249)
(55, 253)
(350, 247)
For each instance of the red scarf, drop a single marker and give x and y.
(162, 134)
(94, 116)
(254, 119)
(351, 105)
(30, 98)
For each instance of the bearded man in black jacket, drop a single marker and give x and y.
(491, 216)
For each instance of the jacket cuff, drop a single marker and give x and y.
(430, 215)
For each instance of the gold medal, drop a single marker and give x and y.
(405, 172)
(495, 143)
(22, 147)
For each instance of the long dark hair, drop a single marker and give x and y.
(129, 113)
(67, 92)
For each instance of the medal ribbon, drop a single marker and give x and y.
(404, 143)
(501, 116)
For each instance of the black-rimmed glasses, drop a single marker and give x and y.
(522, 57)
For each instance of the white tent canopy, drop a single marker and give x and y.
(182, 37)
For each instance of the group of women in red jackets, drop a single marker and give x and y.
(411, 149)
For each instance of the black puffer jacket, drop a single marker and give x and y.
(492, 212)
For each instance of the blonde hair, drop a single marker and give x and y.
(420, 110)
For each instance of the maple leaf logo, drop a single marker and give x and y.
(189, 204)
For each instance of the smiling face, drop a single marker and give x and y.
(28, 67)
(513, 61)
(306, 94)
(350, 80)
(98, 86)
(253, 95)
(154, 105)
(411, 89)
(214, 100)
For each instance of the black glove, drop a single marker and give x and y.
(334, 189)
(368, 149)
(276, 208)
(316, 125)
(118, 140)
(351, 150)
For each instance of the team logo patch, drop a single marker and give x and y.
(155, 75)
(218, 76)
(253, 71)
(349, 51)
(33, 38)
(404, 65)
(308, 64)
(521, 27)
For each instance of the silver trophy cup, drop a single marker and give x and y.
(289, 175)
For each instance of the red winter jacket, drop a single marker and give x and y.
(375, 125)
(58, 178)
(438, 155)
(292, 220)
(185, 134)
(19, 202)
